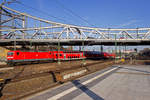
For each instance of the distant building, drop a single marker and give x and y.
(124, 51)
(129, 51)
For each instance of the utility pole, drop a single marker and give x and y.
(115, 47)
(101, 48)
(120, 50)
(24, 25)
(137, 33)
(108, 33)
(83, 61)
(58, 51)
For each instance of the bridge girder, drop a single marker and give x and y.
(45, 31)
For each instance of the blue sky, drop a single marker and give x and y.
(101, 13)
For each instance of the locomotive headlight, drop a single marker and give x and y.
(10, 57)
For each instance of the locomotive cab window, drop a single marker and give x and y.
(10, 54)
(17, 53)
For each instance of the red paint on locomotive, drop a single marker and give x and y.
(17, 56)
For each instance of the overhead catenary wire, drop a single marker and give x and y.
(40, 11)
(73, 13)
(67, 9)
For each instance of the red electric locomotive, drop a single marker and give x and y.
(19, 56)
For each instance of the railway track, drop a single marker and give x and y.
(29, 70)
(44, 77)
(24, 70)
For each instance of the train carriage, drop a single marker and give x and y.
(19, 56)
(98, 55)
(63, 55)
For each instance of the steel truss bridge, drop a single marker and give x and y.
(18, 28)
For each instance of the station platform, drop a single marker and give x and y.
(119, 82)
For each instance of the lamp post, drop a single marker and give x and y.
(101, 48)
(137, 33)
(83, 61)
(59, 51)
(115, 47)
